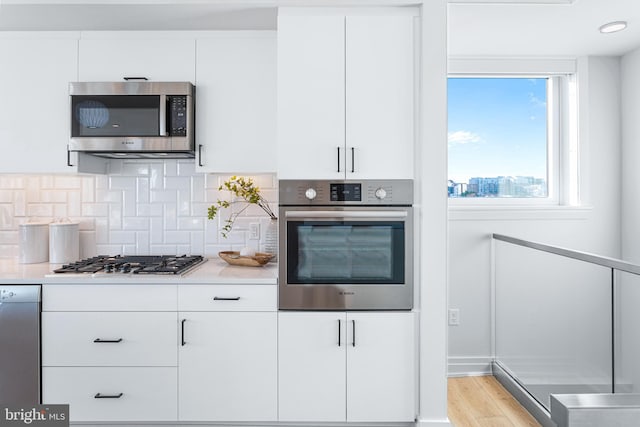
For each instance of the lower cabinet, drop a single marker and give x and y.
(355, 367)
(113, 393)
(227, 366)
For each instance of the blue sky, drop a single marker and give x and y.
(497, 126)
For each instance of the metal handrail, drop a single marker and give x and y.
(613, 263)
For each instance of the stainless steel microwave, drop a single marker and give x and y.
(133, 119)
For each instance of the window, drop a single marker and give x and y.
(507, 131)
(498, 137)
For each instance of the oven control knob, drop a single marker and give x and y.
(381, 193)
(310, 193)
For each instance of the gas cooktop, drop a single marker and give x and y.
(133, 264)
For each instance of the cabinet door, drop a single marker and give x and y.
(228, 367)
(381, 371)
(311, 365)
(34, 117)
(236, 114)
(380, 96)
(111, 56)
(311, 127)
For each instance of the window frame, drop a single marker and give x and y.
(562, 125)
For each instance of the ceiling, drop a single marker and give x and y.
(476, 27)
(519, 28)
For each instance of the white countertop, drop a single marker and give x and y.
(214, 271)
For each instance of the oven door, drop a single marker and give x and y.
(347, 258)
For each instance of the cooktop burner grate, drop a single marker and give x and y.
(133, 264)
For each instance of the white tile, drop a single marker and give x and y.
(156, 176)
(197, 242)
(122, 183)
(60, 211)
(190, 223)
(135, 223)
(6, 216)
(9, 237)
(95, 209)
(184, 203)
(102, 182)
(85, 224)
(129, 206)
(8, 251)
(145, 209)
(142, 193)
(184, 250)
(143, 243)
(170, 168)
(74, 203)
(115, 216)
(87, 244)
(135, 168)
(11, 181)
(122, 237)
(108, 249)
(108, 196)
(200, 209)
(19, 203)
(163, 249)
(177, 183)
(102, 230)
(170, 217)
(177, 237)
(162, 196)
(6, 196)
(67, 182)
(186, 168)
(39, 210)
(88, 189)
(197, 188)
(157, 230)
(130, 250)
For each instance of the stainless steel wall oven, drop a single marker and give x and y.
(346, 245)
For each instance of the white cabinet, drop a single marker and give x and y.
(236, 96)
(345, 95)
(228, 353)
(356, 367)
(34, 116)
(109, 351)
(156, 55)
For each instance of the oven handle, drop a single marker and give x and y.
(346, 214)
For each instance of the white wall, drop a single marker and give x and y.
(596, 229)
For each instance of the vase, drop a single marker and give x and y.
(271, 239)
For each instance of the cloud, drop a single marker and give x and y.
(460, 137)
(537, 102)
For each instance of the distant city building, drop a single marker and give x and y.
(501, 186)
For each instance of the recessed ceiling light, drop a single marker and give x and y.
(612, 27)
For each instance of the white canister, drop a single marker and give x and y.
(33, 241)
(64, 242)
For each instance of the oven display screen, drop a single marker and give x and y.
(346, 192)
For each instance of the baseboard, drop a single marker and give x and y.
(469, 366)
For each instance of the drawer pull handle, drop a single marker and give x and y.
(182, 341)
(226, 299)
(100, 340)
(107, 396)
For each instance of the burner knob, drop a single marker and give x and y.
(310, 193)
(381, 193)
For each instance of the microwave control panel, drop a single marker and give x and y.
(178, 115)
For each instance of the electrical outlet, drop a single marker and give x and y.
(454, 316)
(254, 231)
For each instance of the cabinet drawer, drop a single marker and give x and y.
(109, 297)
(227, 298)
(109, 339)
(146, 394)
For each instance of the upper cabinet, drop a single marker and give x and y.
(346, 93)
(158, 56)
(34, 83)
(236, 102)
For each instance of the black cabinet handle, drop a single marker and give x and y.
(69, 158)
(353, 159)
(353, 335)
(100, 340)
(135, 78)
(339, 333)
(107, 396)
(183, 342)
(338, 159)
(226, 298)
(200, 155)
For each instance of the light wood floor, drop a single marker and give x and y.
(483, 402)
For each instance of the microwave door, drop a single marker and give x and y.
(162, 120)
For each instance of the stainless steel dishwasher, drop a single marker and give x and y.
(20, 344)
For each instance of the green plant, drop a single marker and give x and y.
(244, 190)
